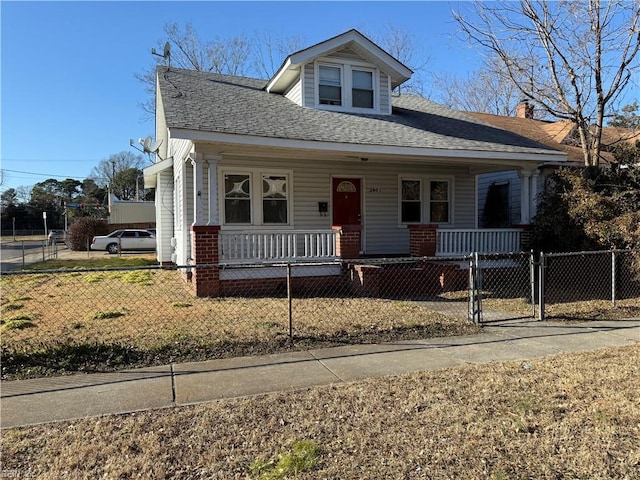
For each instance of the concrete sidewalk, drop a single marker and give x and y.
(27, 402)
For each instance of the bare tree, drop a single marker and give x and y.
(488, 89)
(572, 58)
(221, 55)
(114, 171)
(269, 52)
(402, 46)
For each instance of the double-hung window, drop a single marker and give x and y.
(330, 85)
(411, 201)
(255, 198)
(439, 201)
(361, 89)
(425, 200)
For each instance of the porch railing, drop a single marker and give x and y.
(463, 242)
(274, 246)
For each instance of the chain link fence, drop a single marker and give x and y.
(589, 284)
(59, 321)
(21, 253)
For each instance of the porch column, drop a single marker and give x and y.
(423, 240)
(534, 195)
(525, 197)
(205, 254)
(348, 241)
(198, 175)
(214, 214)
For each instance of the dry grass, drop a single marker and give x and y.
(151, 317)
(574, 416)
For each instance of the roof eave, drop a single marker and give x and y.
(352, 148)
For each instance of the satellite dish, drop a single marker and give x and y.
(155, 146)
(167, 50)
(146, 144)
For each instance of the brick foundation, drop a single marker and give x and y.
(327, 285)
(422, 240)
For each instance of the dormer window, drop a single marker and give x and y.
(330, 91)
(347, 85)
(362, 89)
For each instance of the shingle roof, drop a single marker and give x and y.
(219, 103)
(554, 134)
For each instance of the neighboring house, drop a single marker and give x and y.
(323, 161)
(130, 212)
(499, 193)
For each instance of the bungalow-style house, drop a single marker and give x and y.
(323, 161)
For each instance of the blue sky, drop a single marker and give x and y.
(69, 95)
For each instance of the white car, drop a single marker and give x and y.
(120, 240)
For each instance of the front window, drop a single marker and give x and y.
(439, 201)
(330, 85)
(237, 199)
(411, 201)
(362, 89)
(274, 199)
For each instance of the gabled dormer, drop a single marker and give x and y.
(347, 73)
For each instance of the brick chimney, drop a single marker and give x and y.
(524, 109)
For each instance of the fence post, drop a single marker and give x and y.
(475, 298)
(541, 267)
(613, 278)
(472, 298)
(44, 250)
(23, 254)
(532, 281)
(289, 301)
(478, 286)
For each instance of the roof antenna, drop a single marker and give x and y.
(166, 54)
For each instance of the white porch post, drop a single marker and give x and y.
(214, 214)
(525, 197)
(198, 172)
(534, 194)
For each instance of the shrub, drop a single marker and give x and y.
(83, 230)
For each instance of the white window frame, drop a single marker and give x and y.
(256, 197)
(400, 200)
(346, 67)
(425, 198)
(376, 90)
(342, 86)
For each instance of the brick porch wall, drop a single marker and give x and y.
(348, 241)
(205, 250)
(525, 236)
(422, 240)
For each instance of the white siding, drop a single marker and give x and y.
(180, 149)
(385, 98)
(309, 86)
(295, 92)
(164, 215)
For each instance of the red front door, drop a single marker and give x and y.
(346, 201)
